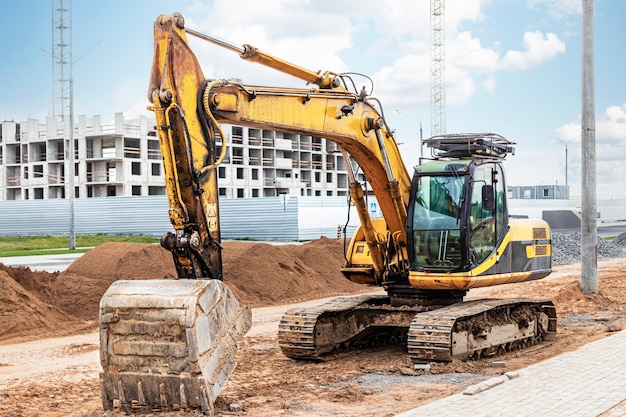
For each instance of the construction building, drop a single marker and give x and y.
(124, 159)
(538, 192)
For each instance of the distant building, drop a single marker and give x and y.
(124, 159)
(538, 192)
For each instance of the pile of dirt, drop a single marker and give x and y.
(81, 285)
(23, 313)
(259, 274)
(39, 283)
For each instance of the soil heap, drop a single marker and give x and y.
(41, 304)
(259, 274)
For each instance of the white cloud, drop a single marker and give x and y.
(460, 11)
(613, 124)
(466, 53)
(460, 86)
(297, 31)
(538, 49)
(138, 109)
(405, 83)
(466, 59)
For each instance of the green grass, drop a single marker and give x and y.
(48, 245)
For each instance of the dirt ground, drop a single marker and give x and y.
(49, 359)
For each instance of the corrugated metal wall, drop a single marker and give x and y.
(273, 218)
(284, 218)
(119, 215)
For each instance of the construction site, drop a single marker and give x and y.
(49, 360)
(440, 294)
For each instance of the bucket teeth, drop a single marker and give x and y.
(124, 406)
(163, 398)
(183, 397)
(143, 407)
(107, 400)
(205, 405)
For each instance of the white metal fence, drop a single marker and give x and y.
(284, 218)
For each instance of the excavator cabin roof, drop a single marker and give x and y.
(470, 145)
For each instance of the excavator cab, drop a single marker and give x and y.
(459, 232)
(457, 218)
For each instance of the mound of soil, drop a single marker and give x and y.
(39, 283)
(259, 274)
(22, 313)
(80, 287)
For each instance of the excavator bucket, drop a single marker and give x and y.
(168, 344)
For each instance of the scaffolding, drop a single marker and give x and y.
(437, 68)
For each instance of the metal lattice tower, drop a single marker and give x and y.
(437, 68)
(61, 57)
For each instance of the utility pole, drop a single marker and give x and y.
(589, 231)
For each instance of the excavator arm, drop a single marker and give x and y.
(189, 107)
(171, 344)
(189, 154)
(341, 117)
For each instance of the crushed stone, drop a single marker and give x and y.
(566, 248)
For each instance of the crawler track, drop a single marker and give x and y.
(434, 333)
(341, 324)
(480, 328)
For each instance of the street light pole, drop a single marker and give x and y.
(70, 147)
(72, 231)
(421, 144)
(566, 184)
(565, 143)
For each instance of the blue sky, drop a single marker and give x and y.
(512, 66)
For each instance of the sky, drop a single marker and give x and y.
(512, 67)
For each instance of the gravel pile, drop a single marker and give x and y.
(620, 240)
(566, 248)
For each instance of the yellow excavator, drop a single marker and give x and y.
(169, 344)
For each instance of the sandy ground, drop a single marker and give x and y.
(59, 376)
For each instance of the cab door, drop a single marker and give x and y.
(487, 212)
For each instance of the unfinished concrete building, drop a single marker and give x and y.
(123, 158)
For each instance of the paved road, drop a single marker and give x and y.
(590, 381)
(611, 229)
(604, 230)
(50, 263)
